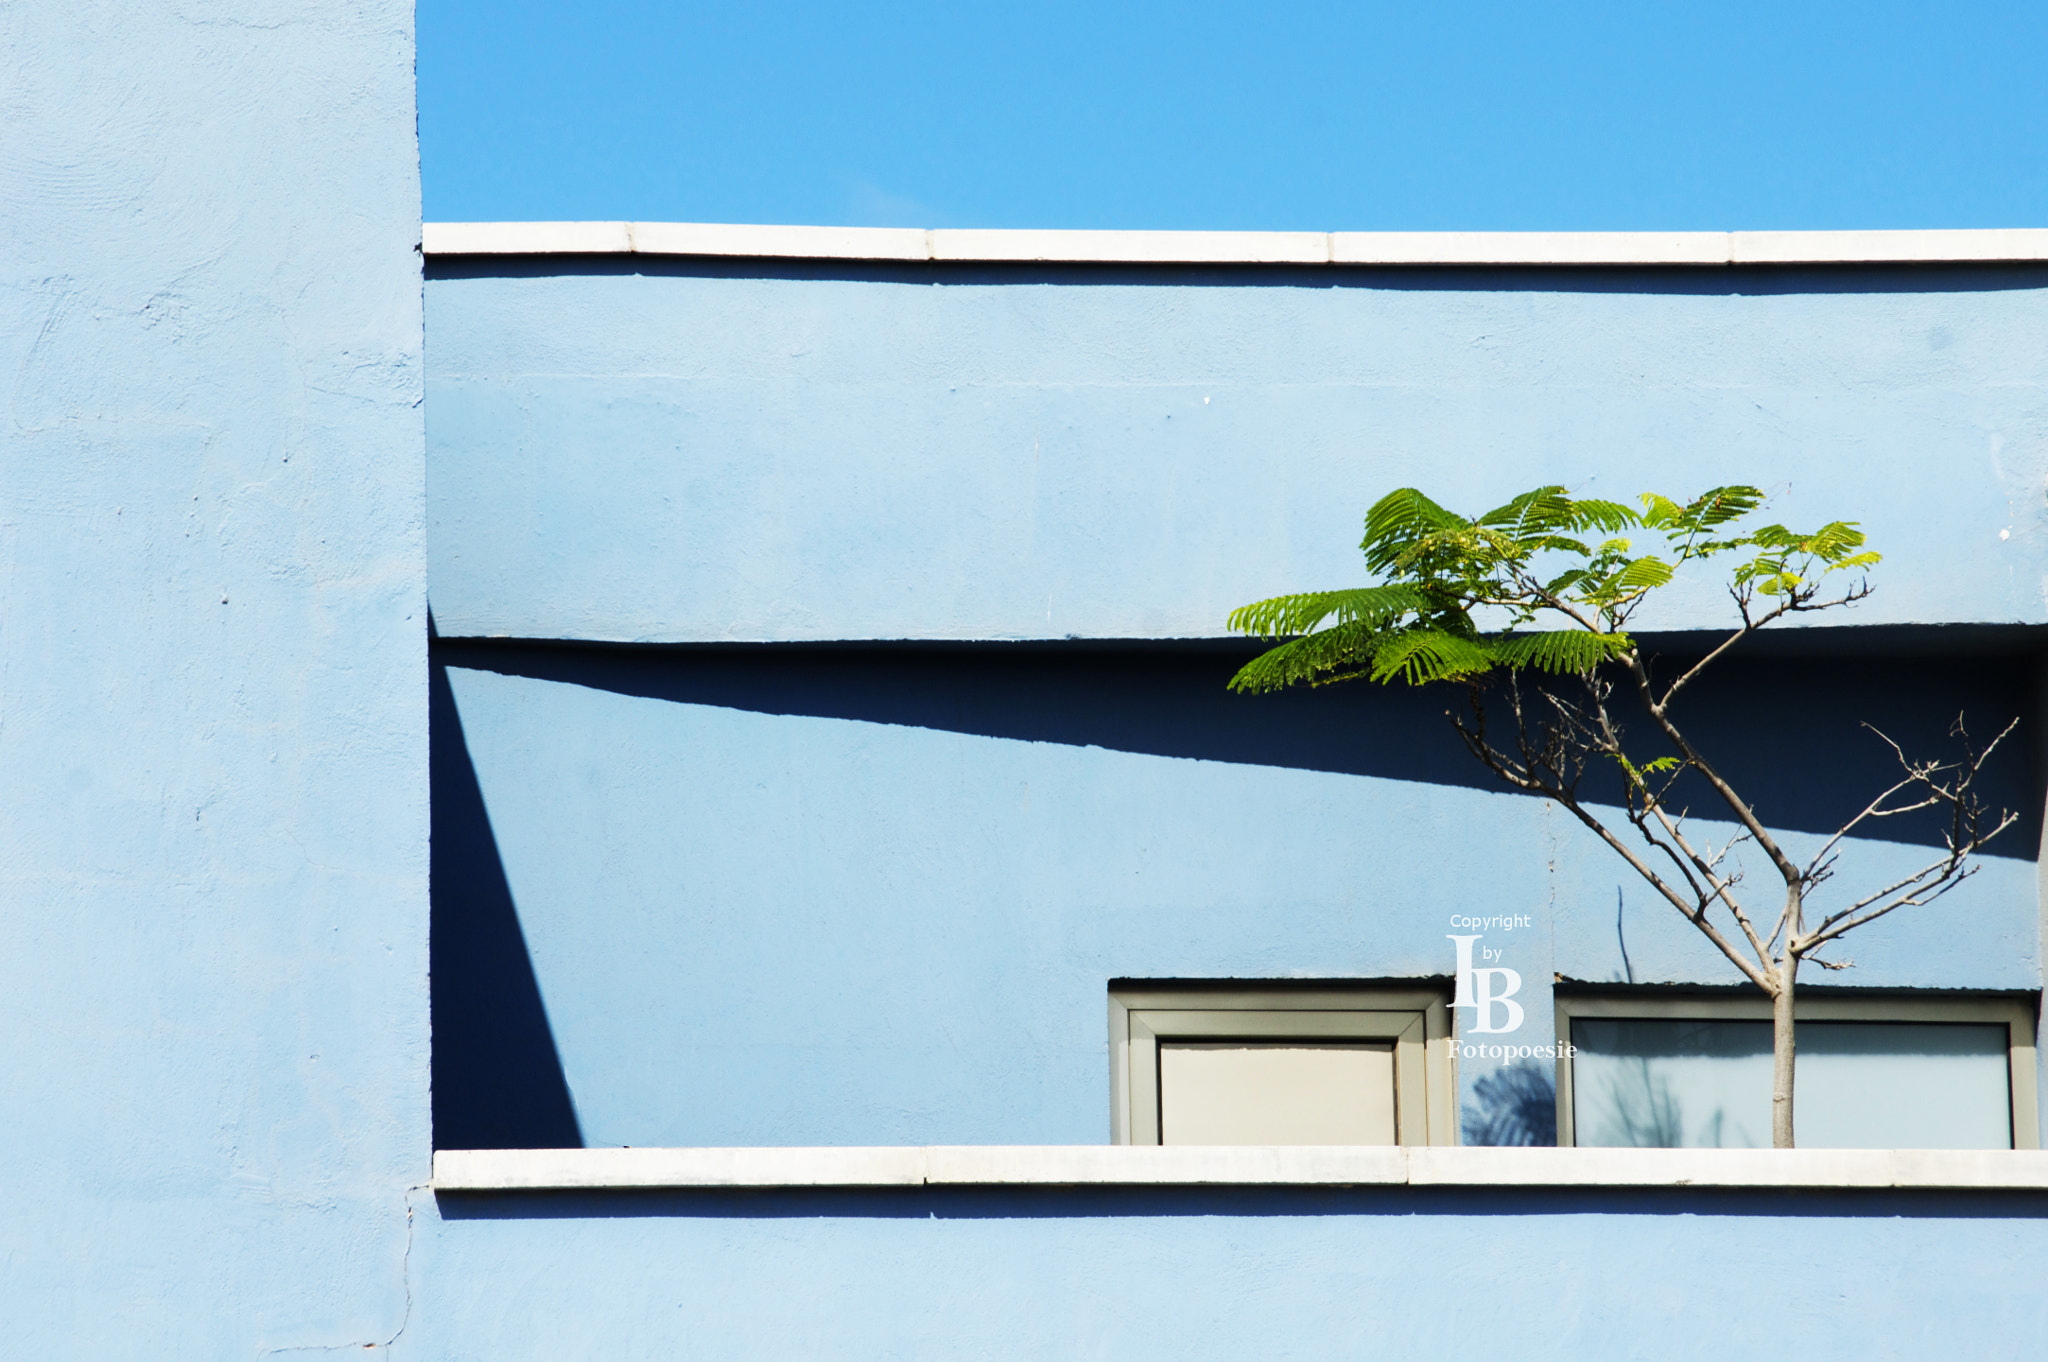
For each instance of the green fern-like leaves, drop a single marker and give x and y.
(1555, 578)
(1562, 652)
(1334, 654)
(1419, 656)
(1638, 776)
(1283, 615)
(1406, 513)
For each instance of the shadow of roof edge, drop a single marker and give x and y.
(1876, 640)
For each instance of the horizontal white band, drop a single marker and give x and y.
(503, 1170)
(1235, 248)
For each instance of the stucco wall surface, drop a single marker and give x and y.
(213, 803)
(753, 452)
(776, 895)
(1176, 1276)
(756, 919)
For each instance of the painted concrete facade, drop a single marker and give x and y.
(1018, 452)
(969, 859)
(707, 453)
(826, 706)
(213, 796)
(1177, 1275)
(833, 685)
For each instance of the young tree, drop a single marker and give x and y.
(1528, 607)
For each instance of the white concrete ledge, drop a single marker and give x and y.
(508, 1170)
(1234, 248)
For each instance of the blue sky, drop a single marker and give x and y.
(1418, 116)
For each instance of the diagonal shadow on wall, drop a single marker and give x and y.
(498, 1080)
(1788, 728)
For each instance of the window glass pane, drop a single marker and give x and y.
(1901, 1085)
(1671, 1084)
(1234, 1092)
(1871, 1085)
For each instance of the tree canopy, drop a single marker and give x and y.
(1546, 582)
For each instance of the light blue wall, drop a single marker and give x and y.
(776, 927)
(213, 802)
(792, 927)
(793, 902)
(764, 929)
(1177, 1275)
(756, 928)
(708, 453)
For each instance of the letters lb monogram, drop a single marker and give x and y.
(1477, 990)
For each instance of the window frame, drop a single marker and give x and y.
(1416, 1018)
(2017, 1015)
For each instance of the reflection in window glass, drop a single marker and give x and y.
(1902, 1085)
(1672, 1084)
(1873, 1085)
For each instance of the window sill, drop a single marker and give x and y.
(522, 1170)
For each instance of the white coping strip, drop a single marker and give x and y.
(507, 1170)
(1234, 248)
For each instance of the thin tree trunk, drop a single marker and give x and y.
(1782, 1054)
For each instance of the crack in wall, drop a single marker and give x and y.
(405, 1282)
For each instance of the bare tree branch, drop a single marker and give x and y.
(1549, 754)
(1721, 888)
(1945, 783)
(1558, 601)
(1743, 813)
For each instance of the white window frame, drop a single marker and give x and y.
(2017, 1015)
(1416, 1019)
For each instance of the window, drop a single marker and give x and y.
(1231, 1064)
(1872, 1073)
